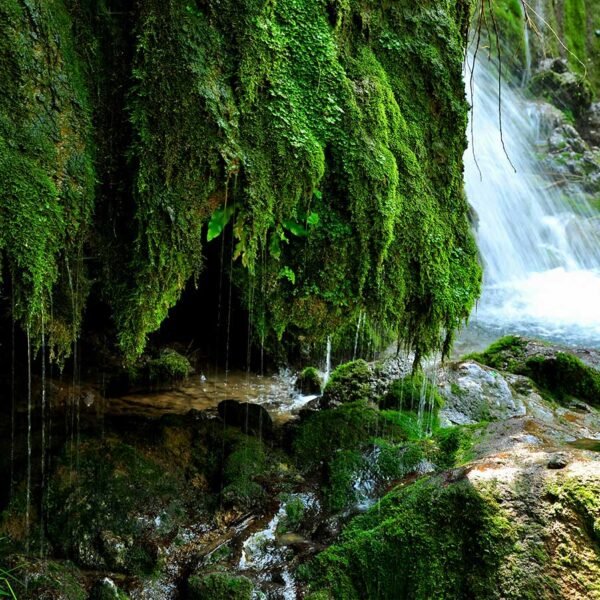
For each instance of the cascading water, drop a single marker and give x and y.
(541, 251)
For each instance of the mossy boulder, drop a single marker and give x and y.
(349, 382)
(309, 381)
(410, 391)
(113, 504)
(432, 539)
(219, 586)
(106, 589)
(565, 89)
(556, 371)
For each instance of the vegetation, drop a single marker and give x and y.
(561, 374)
(417, 526)
(322, 145)
(219, 586)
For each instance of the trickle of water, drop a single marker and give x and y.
(327, 371)
(29, 410)
(541, 252)
(43, 450)
(13, 407)
(361, 317)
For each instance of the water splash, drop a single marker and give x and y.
(541, 253)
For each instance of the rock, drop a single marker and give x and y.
(474, 393)
(589, 124)
(558, 461)
(106, 589)
(249, 417)
(349, 382)
(309, 382)
(566, 90)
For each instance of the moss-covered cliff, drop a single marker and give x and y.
(319, 143)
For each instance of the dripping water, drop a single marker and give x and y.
(361, 317)
(29, 410)
(12, 395)
(43, 427)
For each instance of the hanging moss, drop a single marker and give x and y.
(319, 143)
(47, 194)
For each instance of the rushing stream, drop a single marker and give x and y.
(540, 244)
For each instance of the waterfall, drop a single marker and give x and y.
(540, 249)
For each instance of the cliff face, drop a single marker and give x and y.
(320, 143)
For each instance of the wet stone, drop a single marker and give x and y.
(558, 461)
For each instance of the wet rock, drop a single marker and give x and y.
(474, 393)
(219, 586)
(250, 418)
(309, 382)
(106, 589)
(589, 125)
(566, 90)
(558, 461)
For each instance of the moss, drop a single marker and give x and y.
(103, 496)
(561, 374)
(46, 166)
(244, 464)
(567, 91)
(415, 529)
(348, 427)
(510, 24)
(506, 354)
(565, 375)
(314, 136)
(348, 383)
(409, 391)
(295, 512)
(309, 381)
(219, 586)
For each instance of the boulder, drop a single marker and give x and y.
(474, 393)
(249, 417)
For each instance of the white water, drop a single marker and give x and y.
(541, 252)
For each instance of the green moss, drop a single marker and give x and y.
(506, 354)
(309, 381)
(219, 586)
(575, 29)
(510, 24)
(246, 462)
(324, 141)
(415, 529)
(409, 391)
(96, 496)
(46, 167)
(348, 427)
(565, 375)
(295, 511)
(348, 383)
(560, 374)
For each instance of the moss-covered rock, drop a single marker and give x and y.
(309, 381)
(349, 382)
(566, 90)
(410, 391)
(219, 586)
(558, 372)
(415, 529)
(322, 141)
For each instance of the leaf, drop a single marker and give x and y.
(287, 273)
(318, 195)
(218, 221)
(313, 219)
(295, 228)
